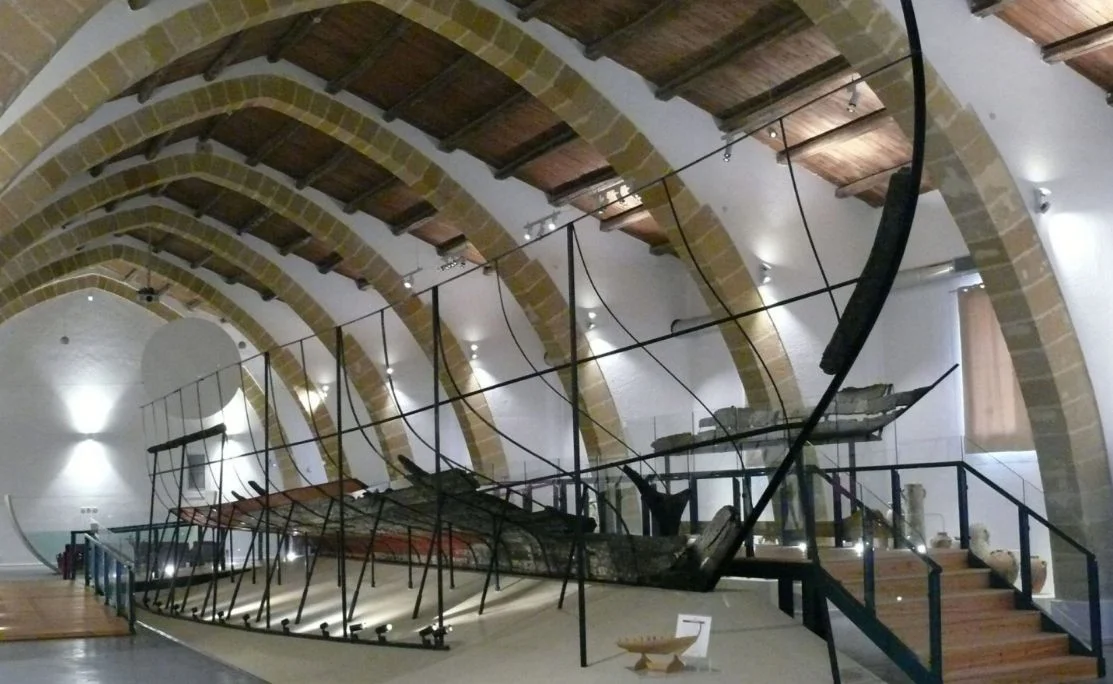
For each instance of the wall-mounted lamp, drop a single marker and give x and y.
(855, 96)
(408, 278)
(591, 316)
(728, 151)
(1043, 200)
(766, 273)
(474, 351)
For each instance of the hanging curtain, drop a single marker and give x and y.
(996, 419)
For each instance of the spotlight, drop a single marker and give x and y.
(921, 548)
(1043, 200)
(247, 620)
(381, 631)
(766, 273)
(591, 316)
(194, 613)
(64, 339)
(474, 351)
(408, 282)
(550, 223)
(852, 104)
(354, 630)
(176, 608)
(425, 633)
(168, 571)
(439, 632)
(772, 132)
(390, 370)
(324, 629)
(90, 298)
(242, 344)
(728, 151)
(220, 616)
(285, 625)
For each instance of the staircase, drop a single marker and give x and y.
(985, 637)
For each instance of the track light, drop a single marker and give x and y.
(381, 631)
(766, 273)
(354, 630)
(1043, 200)
(285, 625)
(324, 629)
(852, 104)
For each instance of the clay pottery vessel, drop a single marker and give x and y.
(942, 540)
(1039, 574)
(1004, 563)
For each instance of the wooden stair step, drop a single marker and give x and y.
(965, 627)
(1058, 670)
(917, 585)
(845, 559)
(1014, 649)
(981, 600)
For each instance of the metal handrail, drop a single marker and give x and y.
(97, 555)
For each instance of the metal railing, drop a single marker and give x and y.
(112, 577)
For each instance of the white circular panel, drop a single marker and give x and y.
(185, 355)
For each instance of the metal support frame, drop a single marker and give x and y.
(312, 565)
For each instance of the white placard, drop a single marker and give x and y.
(688, 625)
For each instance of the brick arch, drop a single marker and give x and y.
(476, 433)
(31, 32)
(506, 47)
(285, 364)
(994, 221)
(102, 283)
(526, 279)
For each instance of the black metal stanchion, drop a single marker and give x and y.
(342, 552)
(267, 480)
(574, 358)
(438, 635)
(313, 564)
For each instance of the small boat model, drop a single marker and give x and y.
(658, 645)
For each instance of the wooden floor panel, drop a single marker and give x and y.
(54, 609)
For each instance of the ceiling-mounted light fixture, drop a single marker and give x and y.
(474, 351)
(728, 151)
(766, 273)
(550, 223)
(408, 282)
(90, 298)
(390, 370)
(1043, 200)
(852, 104)
(772, 132)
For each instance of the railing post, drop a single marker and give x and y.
(898, 508)
(836, 506)
(963, 508)
(935, 617)
(1025, 556)
(1095, 612)
(693, 505)
(867, 559)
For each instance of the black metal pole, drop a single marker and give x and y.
(410, 557)
(963, 508)
(574, 357)
(898, 508)
(266, 602)
(267, 479)
(342, 552)
(425, 574)
(494, 561)
(247, 557)
(1025, 557)
(150, 528)
(438, 636)
(368, 555)
(313, 563)
(451, 558)
(177, 525)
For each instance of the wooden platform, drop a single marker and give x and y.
(54, 609)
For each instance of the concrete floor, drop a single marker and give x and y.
(141, 659)
(521, 637)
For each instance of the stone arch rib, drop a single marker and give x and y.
(991, 215)
(96, 281)
(283, 362)
(505, 46)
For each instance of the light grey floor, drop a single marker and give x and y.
(141, 659)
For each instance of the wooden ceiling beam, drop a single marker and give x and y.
(867, 182)
(228, 55)
(322, 170)
(148, 86)
(539, 148)
(836, 136)
(329, 263)
(369, 58)
(607, 43)
(157, 144)
(744, 39)
(273, 143)
(357, 203)
(431, 86)
(534, 8)
(986, 8)
(413, 219)
(452, 141)
(255, 221)
(1097, 38)
(295, 244)
(210, 131)
(763, 108)
(625, 219)
(298, 30)
(587, 184)
(204, 259)
(208, 205)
